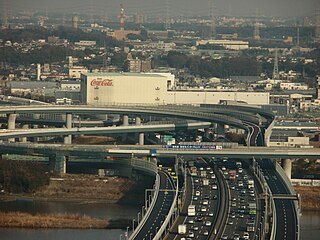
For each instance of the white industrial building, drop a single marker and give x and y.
(123, 88)
(143, 88)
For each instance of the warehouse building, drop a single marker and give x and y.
(152, 88)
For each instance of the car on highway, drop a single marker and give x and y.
(205, 202)
(203, 209)
(191, 221)
(195, 228)
(236, 237)
(245, 235)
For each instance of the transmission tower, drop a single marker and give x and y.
(317, 32)
(5, 14)
(167, 15)
(275, 74)
(212, 34)
(256, 31)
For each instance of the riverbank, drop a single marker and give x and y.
(70, 221)
(310, 197)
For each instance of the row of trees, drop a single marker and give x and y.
(205, 67)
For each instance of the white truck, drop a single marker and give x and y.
(191, 210)
(250, 183)
(205, 182)
(182, 229)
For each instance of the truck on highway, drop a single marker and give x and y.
(252, 206)
(250, 183)
(205, 182)
(193, 171)
(203, 173)
(182, 229)
(191, 210)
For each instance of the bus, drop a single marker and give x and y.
(191, 210)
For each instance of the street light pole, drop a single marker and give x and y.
(127, 232)
(133, 220)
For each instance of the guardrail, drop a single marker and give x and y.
(167, 221)
(147, 214)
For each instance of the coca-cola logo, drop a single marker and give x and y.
(101, 82)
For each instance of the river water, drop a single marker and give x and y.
(310, 221)
(99, 210)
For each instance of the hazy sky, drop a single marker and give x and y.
(180, 7)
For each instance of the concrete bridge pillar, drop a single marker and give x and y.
(125, 120)
(68, 139)
(11, 124)
(141, 138)
(141, 135)
(287, 167)
(207, 133)
(58, 164)
(24, 139)
(220, 129)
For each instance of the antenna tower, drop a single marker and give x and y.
(317, 33)
(5, 14)
(213, 20)
(122, 17)
(167, 15)
(256, 30)
(275, 74)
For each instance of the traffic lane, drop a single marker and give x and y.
(285, 210)
(160, 210)
(173, 234)
(241, 200)
(206, 193)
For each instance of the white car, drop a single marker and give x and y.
(205, 202)
(191, 234)
(203, 209)
(245, 235)
(197, 193)
(205, 233)
(208, 223)
(214, 187)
